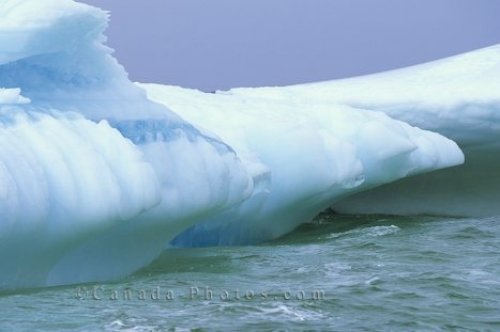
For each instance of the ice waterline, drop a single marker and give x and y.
(96, 179)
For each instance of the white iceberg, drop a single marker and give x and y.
(96, 179)
(314, 154)
(458, 97)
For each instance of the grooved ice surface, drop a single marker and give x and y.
(96, 179)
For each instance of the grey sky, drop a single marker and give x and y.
(219, 44)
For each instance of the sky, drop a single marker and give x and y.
(219, 44)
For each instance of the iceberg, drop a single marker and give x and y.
(314, 154)
(98, 176)
(94, 177)
(458, 97)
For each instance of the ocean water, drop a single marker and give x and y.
(339, 273)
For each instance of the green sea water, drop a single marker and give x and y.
(343, 273)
